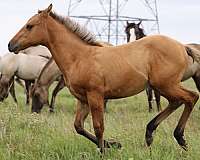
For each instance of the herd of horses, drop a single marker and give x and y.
(95, 72)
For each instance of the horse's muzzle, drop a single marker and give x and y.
(13, 47)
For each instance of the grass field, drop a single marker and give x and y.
(25, 136)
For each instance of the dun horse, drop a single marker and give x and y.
(40, 92)
(134, 32)
(20, 65)
(95, 73)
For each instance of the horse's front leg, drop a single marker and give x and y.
(58, 88)
(81, 114)
(96, 103)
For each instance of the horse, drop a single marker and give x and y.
(94, 73)
(134, 32)
(48, 75)
(26, 67)
(39, 92)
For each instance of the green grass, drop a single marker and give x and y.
(26, 136)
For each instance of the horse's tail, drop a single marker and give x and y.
(194, 53)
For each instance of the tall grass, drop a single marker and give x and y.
(26, 136)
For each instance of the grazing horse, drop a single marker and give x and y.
(134, 32)
(94, 73)
(12, 87)
(26, 67)
(40, 92)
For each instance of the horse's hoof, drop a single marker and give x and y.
(113, 144)
(150, 110)
(148, 138)
(51, 110)
(185, 147)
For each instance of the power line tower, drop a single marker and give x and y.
(107, 18)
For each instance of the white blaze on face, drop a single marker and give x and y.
(133, 36)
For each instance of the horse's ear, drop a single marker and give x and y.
(46, 11)
(127, 23)
(49, 8)
(139, 22)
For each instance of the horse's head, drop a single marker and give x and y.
(5, 84)
(133, 31)
(33, 33)
(39, 98)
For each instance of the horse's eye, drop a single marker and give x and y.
(29, 27)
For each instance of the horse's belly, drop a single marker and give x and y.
(29, 74)
(126, 87)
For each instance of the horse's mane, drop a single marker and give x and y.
(76, 28)
(44, 69)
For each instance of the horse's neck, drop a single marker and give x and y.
(65, 46)
(49, 74)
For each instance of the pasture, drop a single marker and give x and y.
(45, 136)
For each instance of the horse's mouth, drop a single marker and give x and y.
(1, 99)
(16, 52)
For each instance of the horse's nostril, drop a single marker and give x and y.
(12, 47)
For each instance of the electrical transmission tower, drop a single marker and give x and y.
(105, 19)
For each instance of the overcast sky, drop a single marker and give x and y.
(178, 19)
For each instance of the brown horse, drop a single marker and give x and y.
(48, 75)
(95, 73)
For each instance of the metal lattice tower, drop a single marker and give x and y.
(107, 21)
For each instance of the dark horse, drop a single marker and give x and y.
(134, 32)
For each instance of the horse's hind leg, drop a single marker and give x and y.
(12, 92)
(60, 86)
(157, 96)
(190, 101)
(153, 124)
(149, 96)
(27, 86)
(196, 79)
(176, 96)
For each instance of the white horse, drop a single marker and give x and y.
(26, 67)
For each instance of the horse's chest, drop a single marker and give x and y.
(78, 92)
(77, 86)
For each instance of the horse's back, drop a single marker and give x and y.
(37, 51)
(29, 66)
(168, 59)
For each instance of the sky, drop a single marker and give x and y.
(178, 19)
